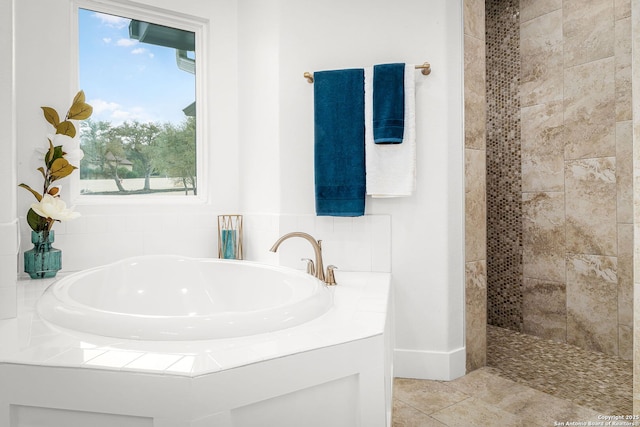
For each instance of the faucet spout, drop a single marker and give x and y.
(317, 249)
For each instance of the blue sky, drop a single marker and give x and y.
(127, 80)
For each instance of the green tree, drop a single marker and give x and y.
(176, 154)
(103, 151)
(140, 141)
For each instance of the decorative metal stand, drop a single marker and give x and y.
(230, 236)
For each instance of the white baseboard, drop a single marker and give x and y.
(429, 365)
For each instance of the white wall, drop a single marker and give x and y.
(258, 51)
(8, 223)
(427, 229)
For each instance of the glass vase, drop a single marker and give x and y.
(42, 261)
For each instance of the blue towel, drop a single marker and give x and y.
(388, 103)
(339, 142)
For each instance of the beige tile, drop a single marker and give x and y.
(544, 309)
(541, 61)
(587, 378)
(589, 110)
(474, 412)
(625, 342)
(486, 385)
(588, 28)
(624, 171)
(476, 314)
(625, 274)
(530, 9)
(475, 119)
(591, 206)
(543, 237)
(542, 147)
(622, 9)
(475, 205)
(406, 416)
(426, 396)
(591, 299)
(624, 110)
(474, 18)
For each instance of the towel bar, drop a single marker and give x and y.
(426, 70)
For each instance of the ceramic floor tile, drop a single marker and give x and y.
(592, 380)
(407, 416)
(473, 412)
(426, 396)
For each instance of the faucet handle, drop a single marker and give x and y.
(330, 278)
(311, 269)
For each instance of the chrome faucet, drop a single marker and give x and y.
(317, 248)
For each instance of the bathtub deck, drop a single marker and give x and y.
(340, 358)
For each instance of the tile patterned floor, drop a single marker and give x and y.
(483, 399)
(487, 397)
(594, 380)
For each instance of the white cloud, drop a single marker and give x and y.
(126, 42)
(138, 51)
(111, 20)
(116, 114)
(107, 40)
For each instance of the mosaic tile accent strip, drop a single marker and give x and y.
(504, 176)
(590, 379)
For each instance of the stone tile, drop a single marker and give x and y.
(542, 147)
(589, 110)
(591, 206)
(541, 60)
(406, 416)
(426, 396)
(476, 314)
(625, 342)
(592, 282)
(591, 381)
(624, 110)
(544, 309)
(624, 171)
(530, 9)
(475, 205)
(625, 274)
(588, 28)
(474, 412)
(474, 18)
(486, 385)
(543, 237)
(475, 119)
(622, 9)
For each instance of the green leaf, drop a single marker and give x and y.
(66, 128)
(35, 221)
(34, 192)
(61, 168)
(51, 116)
(79, 98)
(48, 158)
(80, 111)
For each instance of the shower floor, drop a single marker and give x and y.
(593, 380)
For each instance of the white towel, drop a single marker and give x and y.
(391, 168)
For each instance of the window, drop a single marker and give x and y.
(140, 79)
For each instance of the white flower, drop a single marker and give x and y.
(70, 146)
(54, 208)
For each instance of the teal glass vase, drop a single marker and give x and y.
(42, 261)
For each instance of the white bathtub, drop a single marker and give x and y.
(178, 298)
(78, 353)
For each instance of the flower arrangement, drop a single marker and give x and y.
(62, 149)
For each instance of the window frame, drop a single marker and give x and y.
(167, 18)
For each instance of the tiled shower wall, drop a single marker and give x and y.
(504, 210)
(475, 188)
(576, 175)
